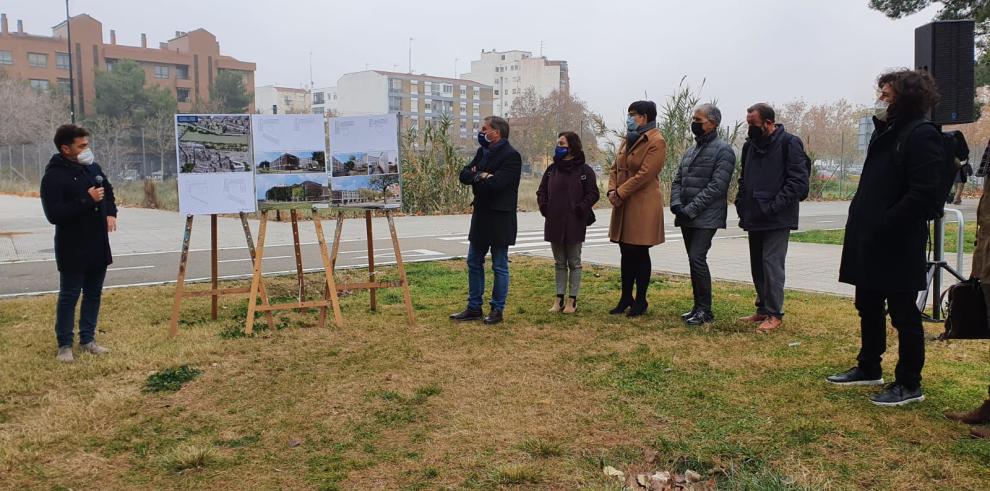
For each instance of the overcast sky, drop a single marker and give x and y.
(747, 51)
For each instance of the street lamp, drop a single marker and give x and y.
(72, 85)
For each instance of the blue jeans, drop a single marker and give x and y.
(476, 275)
(90, 284)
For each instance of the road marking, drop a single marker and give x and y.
(130, 268)
(248, 260)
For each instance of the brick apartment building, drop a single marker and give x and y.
(185, 65)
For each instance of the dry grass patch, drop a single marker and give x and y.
(543, 401)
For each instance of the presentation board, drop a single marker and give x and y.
(290, 161)
(365, 169)
(213, 156)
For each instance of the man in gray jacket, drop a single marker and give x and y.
(698, 200)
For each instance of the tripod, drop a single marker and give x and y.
(936, 265)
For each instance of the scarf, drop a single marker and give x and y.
(634, 135)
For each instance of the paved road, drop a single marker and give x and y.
(146, 246)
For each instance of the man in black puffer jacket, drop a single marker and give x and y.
(698, 200)
(78, 199)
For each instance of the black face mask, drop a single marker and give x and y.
(697, 129)
(755, 133)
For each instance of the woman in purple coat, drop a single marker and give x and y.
(567, 193)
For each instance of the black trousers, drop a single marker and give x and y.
(698, 241)
(906, 318)
(636, 268)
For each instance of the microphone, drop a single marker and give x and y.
(99, 184)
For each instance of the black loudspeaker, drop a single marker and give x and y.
(946, 49)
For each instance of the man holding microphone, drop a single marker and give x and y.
(78, 199)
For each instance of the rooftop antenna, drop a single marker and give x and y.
(410, 55)
(541, 49)
(311, 71)
(455, 67)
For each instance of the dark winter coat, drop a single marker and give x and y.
(887, 229)
(493, 221)
(701, 185)
(82, 242)
(567, 193)
(771, 184)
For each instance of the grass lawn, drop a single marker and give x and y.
(541, 402)
(835, 236)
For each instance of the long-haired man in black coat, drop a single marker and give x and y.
(883, 253)
(78, 199)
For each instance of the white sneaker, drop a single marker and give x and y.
(65, 354)
(92, 347)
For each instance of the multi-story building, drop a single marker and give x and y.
(272, 99)
(512, 72)
(325, 101)
(186, 65)
(419, 99)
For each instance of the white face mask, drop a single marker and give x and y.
(86, 157)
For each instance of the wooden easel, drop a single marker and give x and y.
(258, 288)
(215, 292)
(373, 285)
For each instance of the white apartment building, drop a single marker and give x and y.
(510, 73)
(271, 99)
(325, 101)
(418, 98)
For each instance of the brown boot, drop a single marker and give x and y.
(770, 324)
(980, 432)
(978, 416)
(755, 318)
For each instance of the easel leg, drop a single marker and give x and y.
(336, 239)
(261, 289)
(406, 295)
(331, 284)
(371, 259)
(173, 326)
(256, 279)
(301, 282)
(214, 267)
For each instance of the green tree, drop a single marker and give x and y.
(120, 91)
(228, 90)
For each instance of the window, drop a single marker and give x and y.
(63, 86)
(62, 61)
(448, 89)
(515, 67)
(395, 85)
(414, 82)
(464, 92)
(110, 62)
(6, 58)
(476, 108)
(161, 71)
(428, 106)
(414, 104)
(463, 109)
(477, 92)
(182, 72)
(39, 84)
(38, 60)
(496, 91)
(503, 57)
(427, 87)
(394, 103)
(318, 98)
(182, 94)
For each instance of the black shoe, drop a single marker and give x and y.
(621, 308)
(687, 315)
(699, 319)
(467, 315)
(637, 309)
(854, 376)
(494, 317)
(897, 394)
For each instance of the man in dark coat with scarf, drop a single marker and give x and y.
(78, 199)
(883, 253)
(698, 200)
(493, 175)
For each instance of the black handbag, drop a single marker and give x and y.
(967, 312)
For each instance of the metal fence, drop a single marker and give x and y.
(129, 155)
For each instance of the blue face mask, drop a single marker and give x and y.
(560, 152)
(631, 123)
(483, 139)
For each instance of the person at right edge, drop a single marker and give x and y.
(883, 253)
(773, 180)
(981, 271)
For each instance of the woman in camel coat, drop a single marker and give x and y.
(637, 204)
